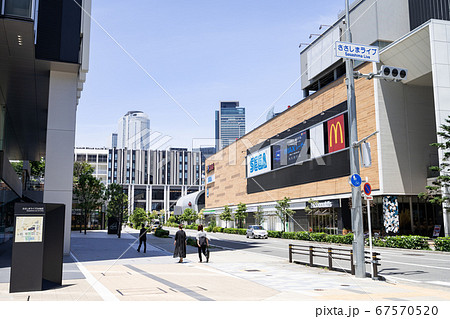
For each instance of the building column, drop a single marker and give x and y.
(165, 198)
(150, 197)
(60, 143)
(131, 198)
(440, 64)
(147, 199)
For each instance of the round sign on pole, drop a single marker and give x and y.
(355, 180)
(367, 189)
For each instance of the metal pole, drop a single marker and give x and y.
(370, 236)
(357, 221)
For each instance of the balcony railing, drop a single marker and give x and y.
(18, 8)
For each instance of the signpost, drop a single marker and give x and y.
(367, 191)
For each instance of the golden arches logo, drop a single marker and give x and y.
(334, 128)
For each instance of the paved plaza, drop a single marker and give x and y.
(104, 267)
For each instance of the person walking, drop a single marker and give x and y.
(180, 244)
(143, 238)
(202, 243)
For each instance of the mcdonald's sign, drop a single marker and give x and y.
(336, 134)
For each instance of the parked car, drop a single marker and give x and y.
(256, 231)
(155, 225)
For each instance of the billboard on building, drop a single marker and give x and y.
(317, 143)
(259, 162)
(336, 133)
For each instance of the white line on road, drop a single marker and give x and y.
(99, 288)
(416, 265)
(397, 278)
(441, 283)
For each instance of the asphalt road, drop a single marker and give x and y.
(421, 267)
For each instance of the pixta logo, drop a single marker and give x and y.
(258, 162)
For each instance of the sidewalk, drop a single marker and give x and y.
(104, 267)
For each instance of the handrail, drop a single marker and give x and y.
(333, 253)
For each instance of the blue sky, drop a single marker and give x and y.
(201, 52)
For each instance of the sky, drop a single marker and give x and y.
(176, 60)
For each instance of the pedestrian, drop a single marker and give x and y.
(180, 244)
(202, 243)
(143, 238)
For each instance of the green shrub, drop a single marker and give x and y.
(303, 235)
(242, 231)
(192, 226)
(274, 234)
(159, 232)
(209, 228)
(170, 224)
(230, 230)
(442, 243)
(318, 236)
(217, 229)
(192, 242)
(288, 235)
(348, 239)
(407, 242)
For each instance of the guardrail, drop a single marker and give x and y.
(331, 254)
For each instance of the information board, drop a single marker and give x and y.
(29, 229)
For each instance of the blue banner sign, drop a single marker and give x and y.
(259, 162)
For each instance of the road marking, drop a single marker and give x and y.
(417, 265)
(441, 283)
(99, 288)
(397, 278)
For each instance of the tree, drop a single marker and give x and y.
(226, 215)
(138, 217)
(117, 202)
(241, 214)
(88, 190)
(81, 168)
(38, 168)
(189, 215)
(433, 193)
(18, 167)
(283, 212)
(201, 215)
(259, 215)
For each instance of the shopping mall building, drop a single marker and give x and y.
(303, 153)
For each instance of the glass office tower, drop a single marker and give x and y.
(230, 123)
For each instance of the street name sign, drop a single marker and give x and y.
(357, 51)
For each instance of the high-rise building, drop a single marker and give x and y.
(134, 131)
(44, 58)
(230, 124)
(114, 140)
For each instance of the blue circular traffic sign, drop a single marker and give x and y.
(367, 189)
(355, 180)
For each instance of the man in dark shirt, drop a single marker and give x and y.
(142, 238)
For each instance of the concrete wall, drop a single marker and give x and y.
(407, 128)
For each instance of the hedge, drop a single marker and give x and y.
(239, 231)
(442, 243)
(408, 242)
(274, 233)
(159, 232)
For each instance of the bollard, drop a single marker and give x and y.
(351, 262)
(330, 258)
(290, 253)
(375, 266)
(311, 255)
